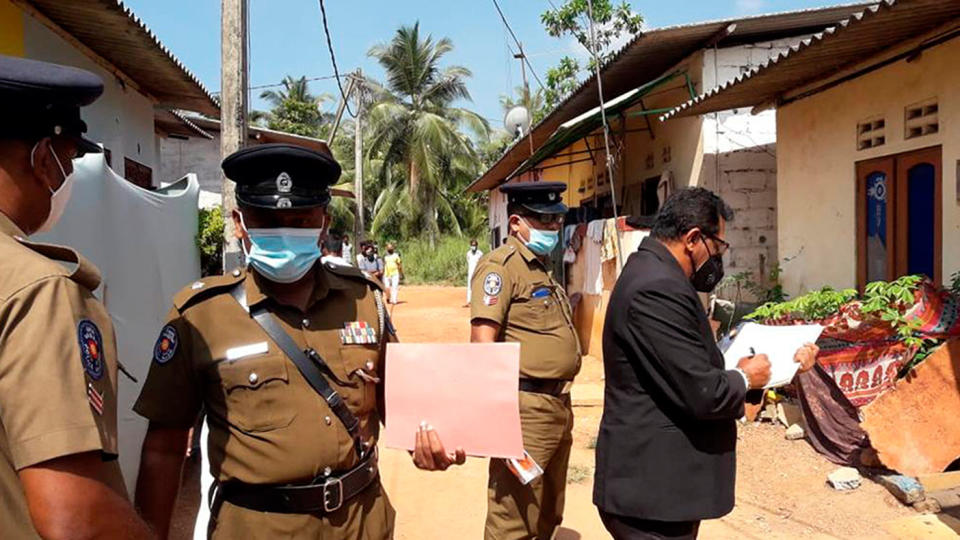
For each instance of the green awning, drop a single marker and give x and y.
(581, 126)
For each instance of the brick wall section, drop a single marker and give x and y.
(748, 183)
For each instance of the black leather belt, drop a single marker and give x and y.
(326, 495)
(552, 387)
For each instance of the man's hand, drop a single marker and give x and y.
(429, 454)
(806, 356)
(757, 369)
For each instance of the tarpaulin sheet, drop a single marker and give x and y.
(144, 244)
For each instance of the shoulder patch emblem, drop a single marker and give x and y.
(166, 345)
(91, 348)
(492, 284)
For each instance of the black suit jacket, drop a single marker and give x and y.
(668, 433)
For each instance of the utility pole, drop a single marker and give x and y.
(525, 98)
(358, 224)
(233, 109)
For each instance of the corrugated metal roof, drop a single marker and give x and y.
(111, 30)
(576, 129)
(862, 35)
(652, 53)
(188, 124)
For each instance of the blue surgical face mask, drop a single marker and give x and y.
(542, 242)
(283, 255)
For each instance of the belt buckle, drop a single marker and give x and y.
(328, 505)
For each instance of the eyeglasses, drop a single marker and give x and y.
(723, 243)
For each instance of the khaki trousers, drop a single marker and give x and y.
(534, 511)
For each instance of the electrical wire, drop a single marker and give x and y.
(517, 41)
(333, 59)
(274, 85)
(606, 129)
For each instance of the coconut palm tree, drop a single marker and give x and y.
(416, 126)
(532, 101)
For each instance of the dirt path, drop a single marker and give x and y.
(781, 490)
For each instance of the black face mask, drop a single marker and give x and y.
(709, 274)
(370, 256)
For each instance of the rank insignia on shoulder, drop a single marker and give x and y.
(492, 284)
(91, 348)
(490, 300)
(357, 333)
(166, 345)
(95, 398)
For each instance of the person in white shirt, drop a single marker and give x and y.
(473, 257)
(347, 249)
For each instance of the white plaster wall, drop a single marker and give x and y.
(122, 119)
(817, 155)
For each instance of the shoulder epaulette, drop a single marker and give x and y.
(353, 273)
(501, 254)
(205, 288)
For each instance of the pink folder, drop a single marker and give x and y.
(467, 391)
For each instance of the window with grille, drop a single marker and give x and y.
(921, 119)
(871, 133)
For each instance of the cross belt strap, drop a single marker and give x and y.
(310, 371)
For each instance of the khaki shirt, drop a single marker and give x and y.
(58, 366)
(512, 288)
(267, 424)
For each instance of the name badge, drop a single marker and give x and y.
(247, 350)
(541, 292)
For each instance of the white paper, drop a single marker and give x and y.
(779, 343)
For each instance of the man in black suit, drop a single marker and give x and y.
(665, 452)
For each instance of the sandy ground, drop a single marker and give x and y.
(781, 489)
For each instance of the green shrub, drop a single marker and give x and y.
(210, 241)
(445, 264)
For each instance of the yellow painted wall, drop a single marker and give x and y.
(817, 153)
(683, 136)
(11, 29)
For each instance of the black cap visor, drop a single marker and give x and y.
(546, 208)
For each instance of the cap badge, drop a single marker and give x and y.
(552, 196)
(284, 184)
(284, 202)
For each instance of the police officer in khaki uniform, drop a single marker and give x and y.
(59, 475)
(286, 358)
(514, 298)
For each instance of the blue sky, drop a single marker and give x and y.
(287, 36)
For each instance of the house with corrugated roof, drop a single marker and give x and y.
(868, 145)
(141, 76)
(732, 152)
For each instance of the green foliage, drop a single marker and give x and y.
(297, 117)
(533, 101)
(886, 301)
(419, 136)
(742, 282)
(572, 18)
(444, 264)
(562, 80)
(294, 109)
(210, 241)
(890, 301)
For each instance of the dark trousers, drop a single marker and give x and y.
(631, 528)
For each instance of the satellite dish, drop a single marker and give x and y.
(517, 121)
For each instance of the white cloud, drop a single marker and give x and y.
(751, 5)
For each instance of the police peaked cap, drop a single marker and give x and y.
(539, 197)
(40, 99)
(281, 176)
